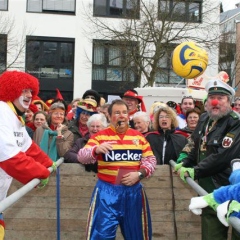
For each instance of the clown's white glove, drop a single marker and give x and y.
(222, 210)
(196, 205)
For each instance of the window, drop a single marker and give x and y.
(227, 52)
(3, 4)
(50, 58)
(181, 10)
(165, 74)
(3, 53)
(112, 61)
(51, 6)
(117, 8)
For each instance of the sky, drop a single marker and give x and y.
(229, 4)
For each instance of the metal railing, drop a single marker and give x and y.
(233, 221)
(14, 197)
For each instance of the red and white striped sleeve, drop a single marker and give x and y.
(87, 155)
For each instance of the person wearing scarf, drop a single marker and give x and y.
(85, 109)
(54, 139)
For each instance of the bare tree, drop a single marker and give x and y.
(228, 59)
(154, 29)
(12, 42)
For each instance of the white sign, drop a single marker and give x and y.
(112, 97)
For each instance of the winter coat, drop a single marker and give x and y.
(71, 155)
(63, 144)
(222, 146)
(174, 145)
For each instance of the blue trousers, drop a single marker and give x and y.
(113, 205)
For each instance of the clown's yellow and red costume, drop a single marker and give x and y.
(113, 204)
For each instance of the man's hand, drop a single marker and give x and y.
(43, 182)
(222, 210)
(186, 172)
(103, 148)
(225, 210)
(196, 205)
(54, 167)
(177, 167)
(130, 178)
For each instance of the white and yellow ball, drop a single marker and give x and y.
(189, 60)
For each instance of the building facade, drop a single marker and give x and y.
(60, 43)
(229, 60)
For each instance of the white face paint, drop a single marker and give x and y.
(24, 101)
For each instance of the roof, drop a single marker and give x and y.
(224, 16)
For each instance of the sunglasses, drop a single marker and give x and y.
(87, 105)
(184, 97)
(187, 97)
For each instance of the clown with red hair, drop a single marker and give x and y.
(21, 158)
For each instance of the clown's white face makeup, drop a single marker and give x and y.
(23, 102)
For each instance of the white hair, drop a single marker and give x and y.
(143, 115)
(98, 117)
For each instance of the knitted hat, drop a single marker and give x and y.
(93, 93)
(12, 83)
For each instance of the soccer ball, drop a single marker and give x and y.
(189, 60)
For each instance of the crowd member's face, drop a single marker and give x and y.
(95, 126)
(24, 100)
(220, 109)
(140, 124)
(39, 120)
(237, 106)
(28, 115)
(39, 106)
(74, 107)
(119, 115)
(187, 103)
(164, 121)
(83, 118)
(131, 102)
(105, 112)
(192, 120)
(90, 97)
(57, 116)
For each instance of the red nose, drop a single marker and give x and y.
(214, 102)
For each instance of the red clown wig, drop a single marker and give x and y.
(13, 82)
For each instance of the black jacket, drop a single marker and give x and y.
(71, 155)
(222, 146)
(174, 145)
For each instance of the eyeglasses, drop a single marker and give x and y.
(90, 97)
(87, 105)
(162, 117)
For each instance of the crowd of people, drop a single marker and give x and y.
(122, 142)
